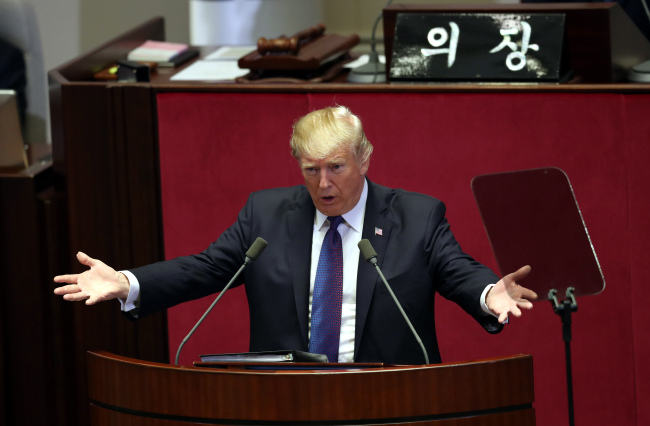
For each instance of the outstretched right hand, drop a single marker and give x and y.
(99, 283)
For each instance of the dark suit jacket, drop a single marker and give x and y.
(417, 253)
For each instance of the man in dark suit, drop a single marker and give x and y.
(285, 286)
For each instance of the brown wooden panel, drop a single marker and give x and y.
(100, 416)
(62, 369)
(111, 183)
(137, 228)
(389, 394)
(25, 303)
(141, 172)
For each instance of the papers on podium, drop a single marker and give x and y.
(267, 356)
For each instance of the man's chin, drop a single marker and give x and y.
(329, 209)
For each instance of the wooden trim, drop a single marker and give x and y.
(384, 395)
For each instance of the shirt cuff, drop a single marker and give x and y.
(484, 306)
(134, 290)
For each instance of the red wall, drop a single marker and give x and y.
(215, 148)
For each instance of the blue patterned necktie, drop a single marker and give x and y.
(328, 295)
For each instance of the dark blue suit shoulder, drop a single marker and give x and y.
(412, 204)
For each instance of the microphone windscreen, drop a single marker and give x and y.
(367, 251)
(256, 249)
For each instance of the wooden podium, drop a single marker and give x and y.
(496, 391)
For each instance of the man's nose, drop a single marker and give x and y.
(324, 180)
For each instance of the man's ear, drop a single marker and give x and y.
(364, 167)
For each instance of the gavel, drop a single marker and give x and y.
(292, 44)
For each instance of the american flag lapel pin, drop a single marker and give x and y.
(378, 231)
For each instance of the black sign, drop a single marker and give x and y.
(478, 47)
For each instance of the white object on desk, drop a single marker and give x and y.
(210, 71)
(362, 60)
(229, 53)
(244, 21)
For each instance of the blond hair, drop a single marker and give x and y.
(321, 132)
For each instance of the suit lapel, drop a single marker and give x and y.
(375, 222)
(301, 223)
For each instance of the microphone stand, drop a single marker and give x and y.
(370, 256)
(564, 310)
(251, 255)
(415, 333)
(180, 348)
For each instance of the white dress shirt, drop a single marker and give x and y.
(350, 230)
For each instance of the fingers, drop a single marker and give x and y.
(72, 293)
(528, 294)
(70, 279)
(75, 297)
(520, 274)
(67, 289)
(514, 310)
(525, 304)
(523, 299)
(84, 259)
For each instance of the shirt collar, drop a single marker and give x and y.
(354, 217)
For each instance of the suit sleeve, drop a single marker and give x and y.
(166, 284)
(457, 275)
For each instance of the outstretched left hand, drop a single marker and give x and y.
(507, 297)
